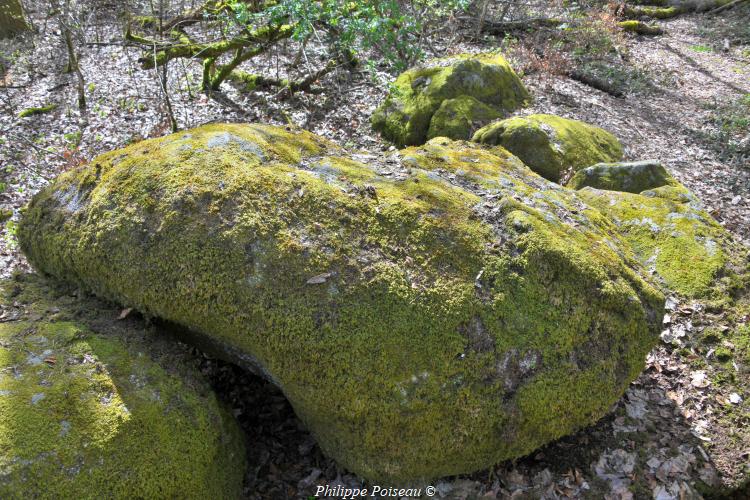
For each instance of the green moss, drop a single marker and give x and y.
(247, 82)
(459, 118)
(681, 243)
(662, 10)
(417, 94)
(85, 414)
(37, 111)
(5, 214)
(723, 354)
(677, 193)
(551, 145)
(145, 22)
(739, 336)
(640, 28)
(630, 177)
(659, 12)
(422, 313)
(711, 336)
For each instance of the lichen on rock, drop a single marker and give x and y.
(428, 313)
(551, 145)
(419, 94)
(629, 177)
(87, 414)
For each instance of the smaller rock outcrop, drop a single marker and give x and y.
(92, 407)
(671, 234)
(629, 177)
(449, 97)
(551, 145)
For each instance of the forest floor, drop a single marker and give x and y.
(665, 438)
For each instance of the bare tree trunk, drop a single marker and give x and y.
(163, 71)
(482, 15)
(162, 75)
(12, 20)
(73, 66)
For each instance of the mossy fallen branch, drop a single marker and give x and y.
(207, 11)
(264, 35)
(37, 111)
(640, 28)
(249, 81)
(653, 12)
(179, 45)
(661, 9)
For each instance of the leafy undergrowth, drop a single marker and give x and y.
(590, 48)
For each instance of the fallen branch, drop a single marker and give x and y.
(653, 12)
(640, 28)
(652, 3)
(249, 82)
(728, 6)
(666, 10)
(501, 28)
(167, 52)
(596, 83)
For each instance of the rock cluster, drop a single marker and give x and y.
(449, 97)
(428, 312)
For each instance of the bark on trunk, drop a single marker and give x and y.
(12, 20)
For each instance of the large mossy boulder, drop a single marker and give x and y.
(87, 414)
(671, 234)
(551, 145)
(428, 313)
(449, 97)
(629, 177)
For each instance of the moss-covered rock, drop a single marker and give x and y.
(426, 314)
(551, 145)
(5, 214)
(87, 414)
(629, 177)
(406, 116)
(458, 118)
(671, 234)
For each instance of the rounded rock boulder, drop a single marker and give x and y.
(90, 410)
(427, 313)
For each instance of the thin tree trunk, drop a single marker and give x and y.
(12, 20)
(162, 75)
(73, 66)
(482, 15)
